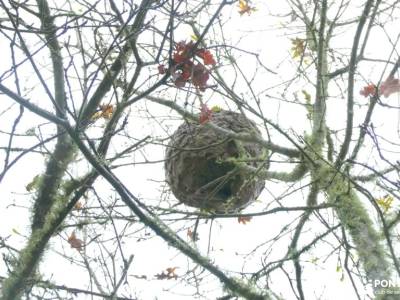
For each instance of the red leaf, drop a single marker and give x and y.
(206, 56)
(368, 90)
(182, 46)
(183, 52)
(185, 70)
(389, 86)
(205, 114)
(178, 58)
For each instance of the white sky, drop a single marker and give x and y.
(229, 240)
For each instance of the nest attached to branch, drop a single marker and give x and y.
(197, 169)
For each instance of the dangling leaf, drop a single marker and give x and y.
(169, 273)
(368, 90)
(106, 111)
(75, 242)
(216, 109)
(78, 205)
(389, 86)
(161, 69)
(298, 47)
(192, 235)
(385, 203)
(244, 7)
(185, 69)
(307, 96)
(206, 56)
(194, 38)
(205, 114)
(244, 220)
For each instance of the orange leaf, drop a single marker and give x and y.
(78, 206)
(75, 242)
(244, 220)
(171, 270)
(106, 111)
(169, 273)
(244, 7)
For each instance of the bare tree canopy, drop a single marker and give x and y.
(188, 149)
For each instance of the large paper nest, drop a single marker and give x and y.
(197, 169)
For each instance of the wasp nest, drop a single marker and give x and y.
(201, 164)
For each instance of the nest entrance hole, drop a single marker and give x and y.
(213, 178)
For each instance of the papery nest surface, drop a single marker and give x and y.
(202, 164)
